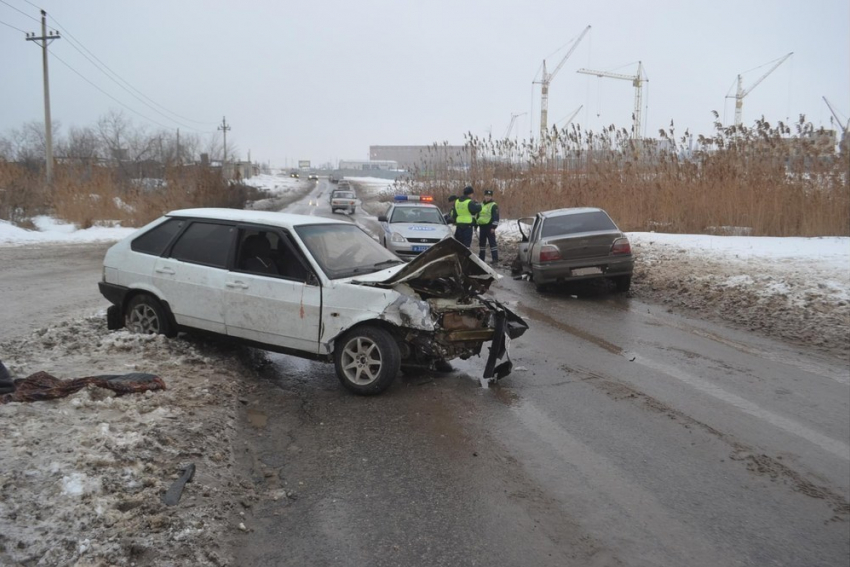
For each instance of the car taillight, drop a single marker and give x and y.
(549, 253)
(621, 246)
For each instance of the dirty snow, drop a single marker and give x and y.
(49, 230)
(373, 187)
(796, 289)
(277, 183)
(83, 476)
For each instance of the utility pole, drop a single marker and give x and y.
(48, 127)
(224, 128)
(179, 159)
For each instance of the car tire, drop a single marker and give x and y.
(623, 283)
(367, 360)
(146, 315)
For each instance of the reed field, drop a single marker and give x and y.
(86, 195)
(769, 180)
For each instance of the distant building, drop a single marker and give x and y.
(410, 157)
(371, 165)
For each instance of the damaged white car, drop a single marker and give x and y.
(310, 287)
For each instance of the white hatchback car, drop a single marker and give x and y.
(311, 287)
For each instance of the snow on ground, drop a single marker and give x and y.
(83, 476)
(373, 187)
(276, 184)
(51, 230)
(797, 289)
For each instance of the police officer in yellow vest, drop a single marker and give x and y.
(465, 210)
(488, 220)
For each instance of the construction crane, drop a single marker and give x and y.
(845, 128)
(637, 81)
(571, 116)
(544, 85)
(741, 92)
(514, 116)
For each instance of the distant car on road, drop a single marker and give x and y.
(313, 177)
(574, 244)
(293, 174)
(411, 225)
(343, 201)
(303, 285)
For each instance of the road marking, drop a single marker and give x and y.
(834, 446)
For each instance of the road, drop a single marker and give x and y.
(626, 435)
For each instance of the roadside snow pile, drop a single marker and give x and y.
(276, 184)
(373, 187)
(797, 289)
(51, 230)
(794, 288)
(82, 477)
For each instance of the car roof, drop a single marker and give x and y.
(569, 211)
(413, 204)
(283, 220)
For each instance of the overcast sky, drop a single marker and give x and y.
(324, 80)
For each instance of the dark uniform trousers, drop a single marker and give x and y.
(487, 238)
(463, 234)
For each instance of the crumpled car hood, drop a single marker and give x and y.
(446, 269)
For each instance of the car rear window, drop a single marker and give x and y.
(156, 240)
(595, 221)
(204, 243)
(343, 195)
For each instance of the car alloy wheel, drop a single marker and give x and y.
(146, 316)
(367, 360)
(361, 361)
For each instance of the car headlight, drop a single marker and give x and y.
(396, 237)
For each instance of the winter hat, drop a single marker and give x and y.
(468, 190)
(452, 198)
(488, 192)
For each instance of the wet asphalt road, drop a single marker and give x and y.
(625, 436)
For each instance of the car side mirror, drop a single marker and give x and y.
(382, 218)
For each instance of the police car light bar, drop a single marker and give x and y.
(420, 198)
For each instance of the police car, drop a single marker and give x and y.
(411, 225)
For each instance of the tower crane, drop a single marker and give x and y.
(742, 92)
(571, 116)
(845, 128)
(637, 81)
(514, 116)
(547, 78)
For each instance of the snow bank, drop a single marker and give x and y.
(373, 187)
(82, 477)
(276, 184)
(50, 230)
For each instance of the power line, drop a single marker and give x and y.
(129, 92)
(36, 20)
(69, 35)
(106, 93)
(11, 26)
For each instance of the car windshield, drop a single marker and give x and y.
(343, 195)
(581, 222)
(344, 250)
(419, 215)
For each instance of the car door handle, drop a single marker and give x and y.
(237, 284)
(168, 271)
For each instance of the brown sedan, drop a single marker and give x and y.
(574, 244)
